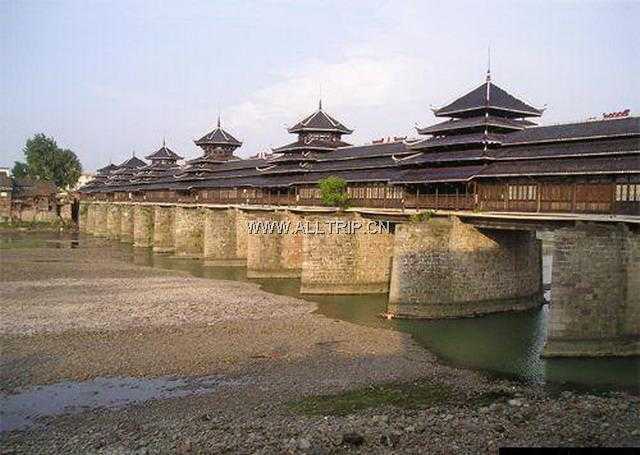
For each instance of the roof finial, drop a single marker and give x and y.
(163, 142)
(218, 120)
(320, 98)
(133, 153)
(489, 63)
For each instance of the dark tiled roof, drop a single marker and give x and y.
(28, 187)
(572, 131)
(363, 151)
(437, 174)
(282, 169)
(319, 121)
(474, 154)
(563, 166)
(362, 163)
(488, 96)
(164, 153)
(313, 144)
(218, 137)
(459, 139)
(132, 163)
(572, 148)
(107, 169)
(475, 122)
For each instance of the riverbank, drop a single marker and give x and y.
(76, 314)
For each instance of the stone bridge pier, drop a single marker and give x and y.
(272, 252)
(189, 232)
(595, 292)
(446, 268)
(126, 223)
(100, 228)
(143, 226)
(345, 255)
(91, 219)
(164, 229)
(113, 221)
(222, 244)
(83, 218)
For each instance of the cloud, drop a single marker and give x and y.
(362, 79)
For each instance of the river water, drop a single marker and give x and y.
(503, 345)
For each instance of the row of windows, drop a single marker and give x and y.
(628, 192)
(523, 192)
(309, 193)
(375, 192)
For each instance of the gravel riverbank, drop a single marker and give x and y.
(84, 313)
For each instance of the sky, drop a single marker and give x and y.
(107, 78)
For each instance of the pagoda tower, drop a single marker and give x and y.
(478, 119)
(126, 171)
(163, 162)
(218, 145)
(318, 132)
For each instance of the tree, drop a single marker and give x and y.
(20, 169)
(46, 161)
(333, 192)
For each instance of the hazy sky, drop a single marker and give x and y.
(105, 78)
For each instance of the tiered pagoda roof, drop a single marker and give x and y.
(126, 171)
(480, 119)
(317, 133)
(489, 98)
(218, 137)
(319, 121)
(164, 162)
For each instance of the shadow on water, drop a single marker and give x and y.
(503, 345)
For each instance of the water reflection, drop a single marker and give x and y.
(506, 345)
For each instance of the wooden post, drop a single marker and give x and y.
(436, 197)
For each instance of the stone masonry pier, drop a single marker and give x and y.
(595, 290)
(189, 232)
(272, 253)
(446, 268)
(126, 224)
(339, 261)
(221, 241)
(113, 221)
(100, 228)
(164, 229)
(143, 226)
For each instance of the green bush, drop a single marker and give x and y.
(333, 192)
(421, 217)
